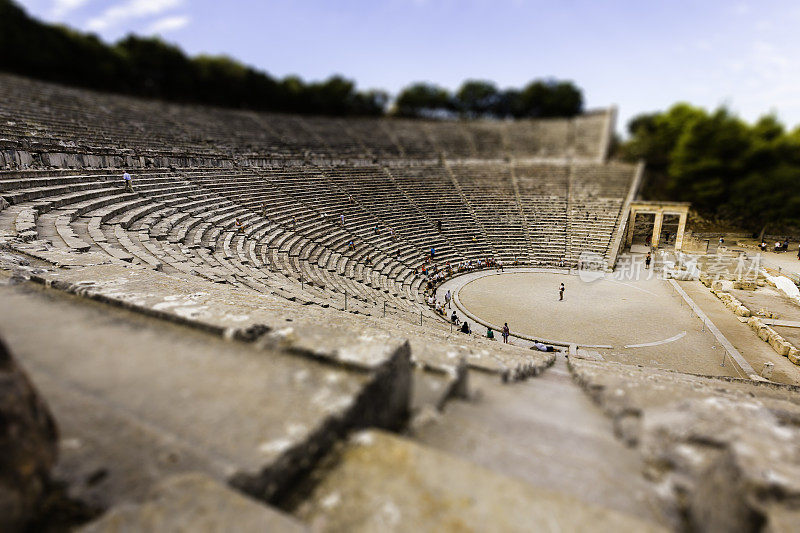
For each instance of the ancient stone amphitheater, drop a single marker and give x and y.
(245, 342)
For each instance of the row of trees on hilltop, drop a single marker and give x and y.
(744, 173)
(151, 68)
(475, 98)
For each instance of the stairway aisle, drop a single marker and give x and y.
(547, 432)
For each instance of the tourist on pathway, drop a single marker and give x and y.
(647, 261)
(454, 318)
(465, 328)
(239, 226)
(489, 333)
(341, 219)
(128, 185)
(561, 292)
(447, 298)
(506, 333)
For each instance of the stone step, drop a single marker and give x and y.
(139, 400)
(547, 433)
(726, 450)
(382, 482)
(194, 502)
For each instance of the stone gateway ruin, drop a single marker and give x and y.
(252, 333)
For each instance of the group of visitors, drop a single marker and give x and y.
(778, 247)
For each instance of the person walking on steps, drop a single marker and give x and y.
(128, 181)
(506, 333)
(561, 292)
(647, 261)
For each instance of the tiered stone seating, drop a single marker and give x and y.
(50, 125)
(539, 138)
(543, 191)
(432, 189)
(591, 134)
(490, 191)
(596, 200)
(383, 175)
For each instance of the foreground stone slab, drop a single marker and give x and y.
(729, 449)
(381, 482)
(136, 390)
(28, 444)
(194, 502)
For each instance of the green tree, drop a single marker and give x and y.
(746, 174)
(477, 98)
(551, 98)
(423, 99)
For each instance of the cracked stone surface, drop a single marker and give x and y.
(255, 418)
(381, 482)
(728, 450)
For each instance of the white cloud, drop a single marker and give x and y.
(62, 7)
(131, 9)
(167, 24)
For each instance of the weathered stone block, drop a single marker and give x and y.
(745, 285)
(28, 445)
(194, 502)
(382, 482)
(780, 346)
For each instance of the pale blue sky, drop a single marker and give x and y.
(642, 55)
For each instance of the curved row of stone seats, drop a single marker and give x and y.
(593, 130)
(547, 135)
(543, 191)
(287, 209)
(370, 186)
(106, 206)
(312, 195)
(528, 198)
(490, 191)
(597, 195)
(432, 189)
(48, 118)
(285, 257)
